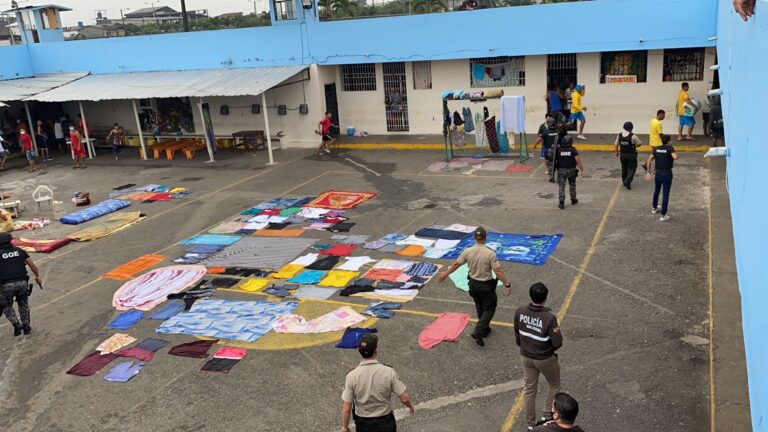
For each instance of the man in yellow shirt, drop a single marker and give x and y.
(656, 129)
(577, 110)
(682, 98)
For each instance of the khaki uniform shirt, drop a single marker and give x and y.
(481, 260)
(370, 386)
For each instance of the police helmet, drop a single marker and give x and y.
(567, 141)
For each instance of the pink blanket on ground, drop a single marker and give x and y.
(447, 327)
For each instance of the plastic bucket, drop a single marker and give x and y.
(350, 131)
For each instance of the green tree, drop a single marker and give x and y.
(429, 6)
(345, 8)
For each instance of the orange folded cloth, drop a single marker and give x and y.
(279, 233)
(131, 268)
(412, 251)
(216, 270)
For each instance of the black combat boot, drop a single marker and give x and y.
(562, 204)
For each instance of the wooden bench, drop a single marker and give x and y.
(159, 148)
(189, 152)
(180, 145)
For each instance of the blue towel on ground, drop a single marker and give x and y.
(126, 320)
(168, 311)
(123, 372)
(351, 337)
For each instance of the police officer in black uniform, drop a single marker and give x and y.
(568, 164)
(626, 150)
(14, 283)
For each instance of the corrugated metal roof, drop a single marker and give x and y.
(192, 83)
(22, 88)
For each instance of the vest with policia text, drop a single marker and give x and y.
(625, 144)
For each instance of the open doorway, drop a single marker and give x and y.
(332, 106)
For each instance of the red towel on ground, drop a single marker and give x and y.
(339, 250)
(91, 364)
(137, 353)
(447, 327)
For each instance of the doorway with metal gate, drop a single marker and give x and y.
(395, 97)
(561, 70)
(332, 106)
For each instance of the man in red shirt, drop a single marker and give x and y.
(78, 151)
(324, 129)
(26, 146)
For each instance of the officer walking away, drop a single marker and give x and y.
(567, 160)
(665, 156)
(626, 150)
(564, 412)
(15, 283)
(549, 132)
(538, 336)
(368, 391)
(483, 263)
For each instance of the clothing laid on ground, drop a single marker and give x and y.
(324, 263)
(152, 344)
(136, 353)
(339, 250)
(313, 292)
(197, 349)
(253, 285)
(231, 353)
(151, 289)
(220, 365)
(123, 372)
(114, 343)
(308, 277)
(167, 311)
(91, 364)
(355, 263)
(126, 320)
(336, 320)
(351, 337)
(338, 278)
(447, 327)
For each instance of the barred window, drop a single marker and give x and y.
(497, 71)
(624, 67)
(685, 64)
(359, 77)
(422, 75)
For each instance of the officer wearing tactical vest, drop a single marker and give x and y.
(548, 135)
(538, 336)
(626, 150)
(567, 161)
(368, 391)
(14, 283)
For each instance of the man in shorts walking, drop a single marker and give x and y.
(577, 111)
(324, 129)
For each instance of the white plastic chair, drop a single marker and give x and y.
(42, 194)
(8, 203)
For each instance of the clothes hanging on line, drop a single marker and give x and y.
(480, 139)
(512, 114)
(469, 124)
(490, 130)
(503, 139)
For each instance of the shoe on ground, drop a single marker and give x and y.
(530, 428)
(551, 179)
(17, 330)
(656, 210)
(27, 329)
(664, 218)
(581, 137)
(327, 150)
(478, 340)
(561, 205)
(574, 201)
(488, 332)
(628, 186)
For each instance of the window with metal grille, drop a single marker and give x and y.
(359, 77)
(685, 64)
(284, 10)
(623, 67)
(497, 71)
(422, 75)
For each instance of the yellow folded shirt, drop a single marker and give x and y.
(287, 271)
(253, 285)
(338, 278)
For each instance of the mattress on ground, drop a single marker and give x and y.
(40, 246)
(100, 209)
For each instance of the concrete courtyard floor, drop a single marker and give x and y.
(634, 295)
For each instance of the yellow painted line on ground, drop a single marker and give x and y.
(517, 406)
(434, 146)
(534, 172)
(710, 289)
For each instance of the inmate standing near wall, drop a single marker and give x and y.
(368, 391)
(626, 150)
(14, 283)
(483, 263)
(538, 336)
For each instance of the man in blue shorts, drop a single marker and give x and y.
(577, 110)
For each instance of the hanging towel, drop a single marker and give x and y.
(478, 71)
(490, 130)
(512, 114)
(480, 139)
(497, 71)
(502, 138)
(457, 136)
(469, 124)
(447, 327)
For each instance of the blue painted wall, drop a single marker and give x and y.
(742, 50)
(601, 25)
(14, 62)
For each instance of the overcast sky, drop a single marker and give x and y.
(85, 10)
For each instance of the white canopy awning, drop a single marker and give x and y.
(191, 83)
(23, 88)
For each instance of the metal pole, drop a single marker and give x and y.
(31, 128)
(138, 126)
(184, 17)
(85, 131)
(266, 128)
(208, 142)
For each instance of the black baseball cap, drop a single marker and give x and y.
(5, 238)
(368, 344)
